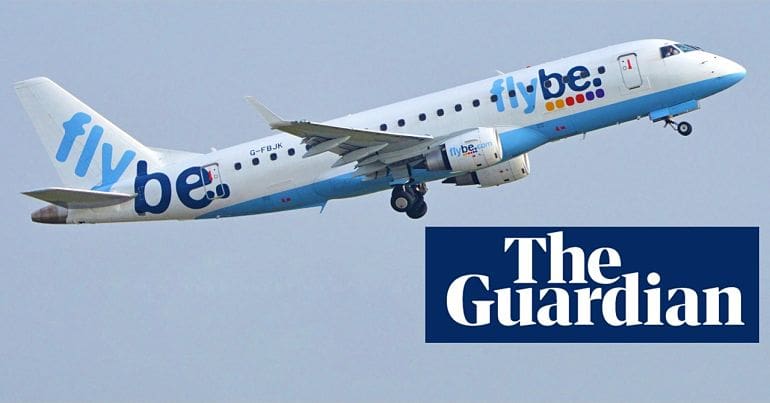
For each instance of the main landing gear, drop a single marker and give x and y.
(410, 199)
(683, 128)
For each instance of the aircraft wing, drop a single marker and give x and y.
(375, 152)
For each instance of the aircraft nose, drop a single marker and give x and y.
(727, 72)
(732, 71)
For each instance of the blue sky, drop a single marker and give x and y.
(309, 306)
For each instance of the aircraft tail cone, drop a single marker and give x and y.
(50, 215)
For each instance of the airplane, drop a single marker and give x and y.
(473, 134)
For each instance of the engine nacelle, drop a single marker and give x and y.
(470, 151)
(506, 172)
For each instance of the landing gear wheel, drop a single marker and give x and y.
(420, 188)
(684, 128)
(402, 199)
(418, 210)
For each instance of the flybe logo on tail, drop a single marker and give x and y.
(73, 129)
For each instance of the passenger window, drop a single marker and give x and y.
(493, 98)
(273, 157)
(237, 166)
(307, 147)
(476, 103)
(511, 93)
(530, 88)
(602, 69)
(440, 112)
(383, 127)
(401, 123)
(458, 108)
(255, 161)
(291, 152)
(422, 117)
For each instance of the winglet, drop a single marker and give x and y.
(271, 118)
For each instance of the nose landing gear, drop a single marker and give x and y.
(410, 199)
(683, 128)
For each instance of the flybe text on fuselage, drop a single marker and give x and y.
(190, 180)
(553, 87)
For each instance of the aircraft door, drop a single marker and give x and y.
(630, 71)
(212, 181)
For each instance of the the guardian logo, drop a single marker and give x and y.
(602, 267)
(592, 284)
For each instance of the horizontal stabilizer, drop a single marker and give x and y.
(79, 198)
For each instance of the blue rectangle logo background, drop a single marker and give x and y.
(697, 258)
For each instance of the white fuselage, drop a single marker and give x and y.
(525, 119)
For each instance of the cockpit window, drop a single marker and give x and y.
(686, 48)
(668, 51)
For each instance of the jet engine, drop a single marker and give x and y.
(470, 151)
(505, 172)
